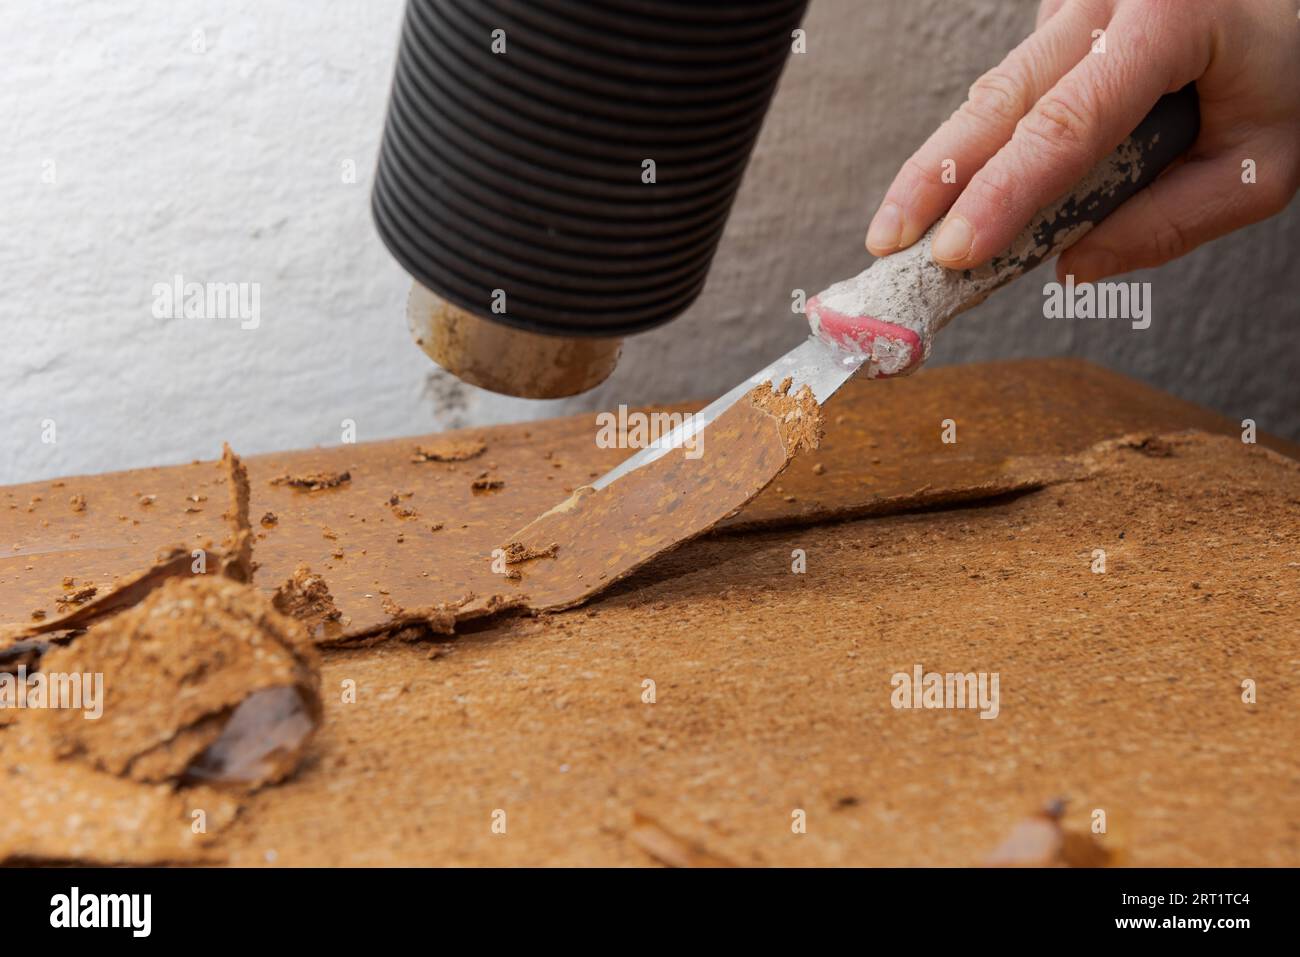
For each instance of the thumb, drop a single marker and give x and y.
(1192, 203)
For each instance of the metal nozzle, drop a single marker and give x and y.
(503, 359)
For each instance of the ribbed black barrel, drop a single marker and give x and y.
(523, 170)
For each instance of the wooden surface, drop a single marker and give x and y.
(1121, 691)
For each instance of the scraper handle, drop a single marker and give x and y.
(1165, 134)
(893, 309)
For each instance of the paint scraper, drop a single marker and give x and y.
(878, 324)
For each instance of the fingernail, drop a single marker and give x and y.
(1093, 264)
(954, 240)
(886, 230)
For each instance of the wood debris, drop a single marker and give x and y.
(314, 481)
(449, 450)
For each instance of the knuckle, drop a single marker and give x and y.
(1275, 193)
(996, 97)
(994, 188)
(920, 173)
(1170, 242)
(1164, 8)
(1168, 238)
(1057, 124)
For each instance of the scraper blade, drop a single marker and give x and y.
(815, 364)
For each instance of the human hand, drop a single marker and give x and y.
(1065, 97)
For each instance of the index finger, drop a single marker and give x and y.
(935, 174)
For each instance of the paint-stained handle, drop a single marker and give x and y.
(893, 309)
(1165, 134)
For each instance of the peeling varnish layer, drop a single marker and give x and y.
(585, 543)
(579, 548)
(191, 670)
(596, 538)
(306, 597)
(798, 416)
(514, 552)
(871, 472)
(427, 621)
(237, 556)
(123, 790)
(449, 450)
(128, 592)
(234, 560)
(314, 481)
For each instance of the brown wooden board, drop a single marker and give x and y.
(1121, 691)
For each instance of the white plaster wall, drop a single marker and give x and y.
(226, 165)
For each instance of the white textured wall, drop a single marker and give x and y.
(226, 165)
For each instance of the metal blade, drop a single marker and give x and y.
(815, 364)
